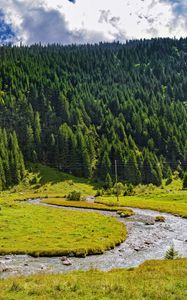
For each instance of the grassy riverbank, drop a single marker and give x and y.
(168, 198)
(154, 280)
(46, 182)
(173, 204)
(84, 204)
(50, 231)
(41, 231)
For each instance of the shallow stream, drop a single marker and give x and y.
(143, 242)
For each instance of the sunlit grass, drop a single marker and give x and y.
(174, 204)
(41, 231)
(84, 204)
(168, 198)
(154, 280)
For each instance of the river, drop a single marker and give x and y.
(144, 242)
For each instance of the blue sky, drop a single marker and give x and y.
(90, 21)
(6, 32)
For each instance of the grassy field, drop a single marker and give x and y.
(41, 231)
(45, 181)
(50, 231)
(168, 198)
(51, 183)
(154, 280)
(176, 205)
(84, 204)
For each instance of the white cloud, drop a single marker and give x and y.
(92, 21)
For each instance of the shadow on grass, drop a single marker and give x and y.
(50, 175)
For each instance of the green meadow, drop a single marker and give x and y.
(50, 231)
(43, 231)
(153, 280)
(87, 205)
(167, 198)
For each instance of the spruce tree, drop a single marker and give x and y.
(185, 181)
(108, 182)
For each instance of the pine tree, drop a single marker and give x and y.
(185, 181)
(133, 174)
(108, 182)
(37, 132)
(105, 166)
(29, 143)
(2, 177)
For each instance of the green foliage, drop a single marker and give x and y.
(160, 219)
(128, 190)
(167, 198)
(119, 188)
(185, 181)
(74, 196)
(12, 168)
(171, 253)
(108, 182)
(130, 108)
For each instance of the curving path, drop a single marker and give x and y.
(143, 242)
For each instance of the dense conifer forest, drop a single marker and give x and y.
(80, 108)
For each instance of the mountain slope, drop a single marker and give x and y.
(80, 108)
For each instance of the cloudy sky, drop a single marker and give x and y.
(90, 21)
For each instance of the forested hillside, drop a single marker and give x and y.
(80, 108)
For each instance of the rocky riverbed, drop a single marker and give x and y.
(146, 239)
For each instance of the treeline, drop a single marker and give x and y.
(12, 167)
(80, 108)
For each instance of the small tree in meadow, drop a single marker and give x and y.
(171, 253)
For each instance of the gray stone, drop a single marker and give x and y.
(63, 258)
(67, 262)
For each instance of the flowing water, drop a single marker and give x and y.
(143, 242)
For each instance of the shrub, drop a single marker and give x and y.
(99, 193)
(70, 182)
(169, 180)
(171, 253)
(74, 196)
(119, 188)
(128, 190)
(160, 219)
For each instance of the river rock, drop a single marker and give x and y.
(148, 242)
(63, 258)
(42, 267)
(137, 249)
(150, 222)
(4, 268)
(7, 258)
(25, 265)
(67, 262)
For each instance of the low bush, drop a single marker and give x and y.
(74, 196)
(160, 219)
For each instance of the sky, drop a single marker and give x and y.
(90, 21)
